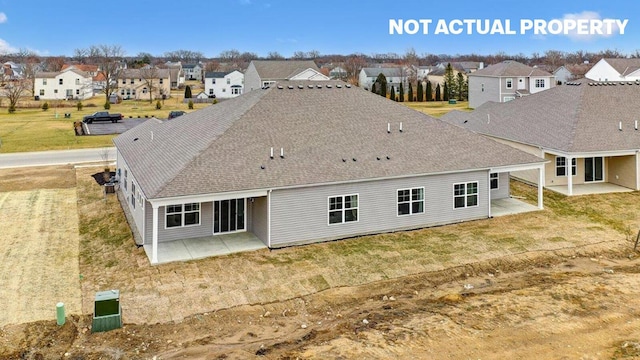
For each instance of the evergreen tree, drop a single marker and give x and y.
(401, 93)
(393, 94)
(373, 88)
(410, 92)
(449, 83)
(187, 92)
(438, 93)
(460, 85)
(429, 92)
(420, 97)
(382, 83)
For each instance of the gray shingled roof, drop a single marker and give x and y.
(510, 68)
(569, 118)
(624, 66)
(282, 69)
(222, 147)
(139, 74)
(386, 71)
(216, 74)
(51, 75)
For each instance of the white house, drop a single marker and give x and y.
(394, 75)
(615, 70)
(224, 85)
(192, 71)
(67, 84)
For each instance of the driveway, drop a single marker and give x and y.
(108, 128)
(56, 157)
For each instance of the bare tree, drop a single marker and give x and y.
(13, 90)
(54, 63)
(108, 59)
(313, 54)
(299, 55)
(352, 65)
(149, 77)
(274, 55)
(212, 65)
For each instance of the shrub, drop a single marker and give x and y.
(190, 104)
(107, 105)
(158, 105)
(12, 109)
(79, 105)
(45, 106)
(215, 101)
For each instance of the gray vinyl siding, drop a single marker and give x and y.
(148, 223)
(251, 79)
(186, 232)
(260, 222)
(137, 213)
(491, 91)
(503, 187)
(300, 216)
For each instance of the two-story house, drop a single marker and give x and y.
(192, 71)
(144, 84)
(262, 73)
(67, 84)
(506, 81)
(223, 85)
(570, 72)
(394, 75)
(608, 69)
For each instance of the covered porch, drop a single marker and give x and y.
(588, 189)
(510, 206)
(203, 247)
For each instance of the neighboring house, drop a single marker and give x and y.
(468, 66)
(571, 72)
(12, 71)
(584, 128)
(338, 73)
(506, 81)
(423, 71)
(611, 69)
(394, 75)
(143, 84)
(176, 77)
(192, 71)
(436, 75)
(261, 73)
(224, 85)
(201, 96)
(306, 161)
(67, 84)
(97, 77)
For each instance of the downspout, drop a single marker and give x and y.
(269, 219)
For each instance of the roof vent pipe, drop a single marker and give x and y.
(620, 125)
(388, 128)
(401, 126)
(271, 154)
(635, 125)
(282, 153)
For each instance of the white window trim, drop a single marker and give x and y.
(343, 209)
(411, 201)
(244, 216)
(544, 83)
(574, 166)
(496, 178)
(507, 81)
(182, 213)
(466, 206)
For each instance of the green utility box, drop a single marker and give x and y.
(107, 314)
(453, 101)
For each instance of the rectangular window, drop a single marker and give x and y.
(41, 92)
(60, 81)
(465, 195)
(213, 81)
(77, 81)
(509, 98)
(228, 81)
(44, 81)
(161, 81)
(132, 81)
(133, 195)
(55, 91)
(509, 83)
(236, 91)
(343, 209)
(182, 215)
(228, 215)
(125, 179)
(494, 181)
(77, 91)
(561, 166)
(410, 201)
(539, 83)
(124, 81)
(210, 91)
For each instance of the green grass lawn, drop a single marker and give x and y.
(437, 108)
(32, 129)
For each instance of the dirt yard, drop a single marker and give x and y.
(556, 284)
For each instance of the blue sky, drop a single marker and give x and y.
(329, 26)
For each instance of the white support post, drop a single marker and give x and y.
(569, 170)
(489, 190)
(154, 242)
(540, 187)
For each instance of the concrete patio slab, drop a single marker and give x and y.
(588, 189)
(510, 206)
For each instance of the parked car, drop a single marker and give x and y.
(102, 116)
(175, 114)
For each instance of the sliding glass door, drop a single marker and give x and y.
(594, 169)
(228, 216)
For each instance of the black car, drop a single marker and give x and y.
(175, 114)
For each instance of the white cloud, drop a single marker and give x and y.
(5, 48)
(3, 17)
(587, 15)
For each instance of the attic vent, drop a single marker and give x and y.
(319, 86)
(290, 87)
(354, 159)
(300, 87)
(388, 157)
(378, 158)
(310, 86)
(629, 83)
(328, 86)
(339, 86)
(348, 86)
(280, 87)
(136, 139)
